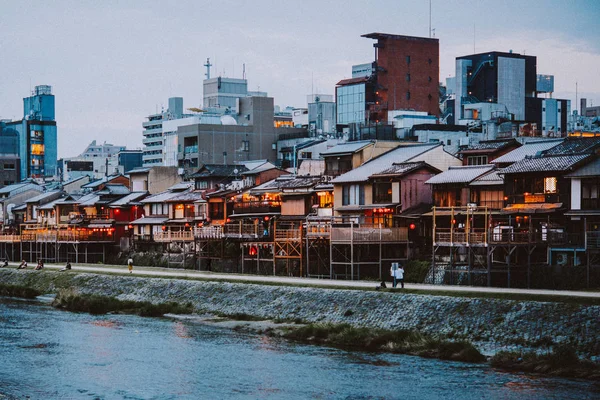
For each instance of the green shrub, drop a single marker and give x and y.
(18, 291)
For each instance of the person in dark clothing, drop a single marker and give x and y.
(67, 267)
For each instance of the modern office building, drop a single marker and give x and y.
(36, 134)
(321, 114)
(154, 141)
(509, 83)
(404, 76)
(252, 136)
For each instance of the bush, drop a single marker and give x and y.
(18, 291)
(416, 271)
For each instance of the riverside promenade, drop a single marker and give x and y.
(177, 273)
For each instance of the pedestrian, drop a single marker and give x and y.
(130, 265)
(67, 267)
(5, 263)
(393, 273)
(400, 275)
(23, 265)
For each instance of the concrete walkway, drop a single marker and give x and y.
(205, 275)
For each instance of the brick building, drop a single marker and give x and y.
(406, 71)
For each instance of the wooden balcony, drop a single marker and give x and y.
(257, 207)
(174, 236)
(10, 238)
(84, 235)
(448, 237)
(288, 234)
(318, 230)
(369, 235)
(209, 232)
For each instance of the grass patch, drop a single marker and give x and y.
(239, 316)
(396, 341)
(18, 291)
(98, 305)
(562, 361)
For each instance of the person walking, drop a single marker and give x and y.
(130, 265)
(399, 277)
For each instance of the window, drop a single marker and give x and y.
(382, 192)
(246, 145)
(407, 77)
(9, 166)
(407, 95)
(353, 195)
(306, 154)
(448, 142)
(429, 61)
(429, 79)
(408, 59)
(477, 160)
(550, 185)
(201, 185)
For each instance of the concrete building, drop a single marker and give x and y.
(37, 134)
(588, 111)
(224, 92)
(321, 114)
(9, 169)
(154, 180)
(153, 132)
(252, 137)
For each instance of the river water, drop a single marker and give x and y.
(52, 354)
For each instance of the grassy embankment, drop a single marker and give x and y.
(18, 291)
(562, 361)
(95, 304)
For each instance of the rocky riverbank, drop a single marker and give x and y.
(493, 325)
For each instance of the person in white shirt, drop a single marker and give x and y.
(130, 265)
(399, 276)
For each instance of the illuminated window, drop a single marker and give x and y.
(550, 185)
(37, 149)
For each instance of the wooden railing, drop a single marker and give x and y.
(288, 234)
(209, 232)
(10, 238)
(373, 234)
(318, 229)
(460, 237)
(174, 236)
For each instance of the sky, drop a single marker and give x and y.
(113, 63)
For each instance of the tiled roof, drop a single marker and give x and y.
(115, 188)
(460, 174)
(131, 197)
(545, 163)
(43, 196)
(398, 155)
(399, 169)
(50, 205)
(138, 170)
(574, 145)
(219, 170)
(186, 197)
(347, 148)
(160, 197)
(287, 182)
(591, 169)
(488, 145)
(150, 221)
(528, 149)
(492, 178)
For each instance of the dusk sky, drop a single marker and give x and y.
(112, 63)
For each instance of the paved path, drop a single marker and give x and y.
(205, 275)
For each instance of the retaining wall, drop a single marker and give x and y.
(491, 324)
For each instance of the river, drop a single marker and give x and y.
(52, 354)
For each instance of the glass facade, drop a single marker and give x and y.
(351, 104)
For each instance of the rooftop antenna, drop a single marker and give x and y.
(208, 65)
(433, 32)
(429, 18)
(576, 96)
(244, 71)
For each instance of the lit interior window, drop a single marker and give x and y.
(550, 185)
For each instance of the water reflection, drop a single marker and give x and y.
(48, 353)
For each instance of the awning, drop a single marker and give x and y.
(364, 207)
(102, 226)
(149, 221)
(532, 208)
(448, 213)
(583, 213)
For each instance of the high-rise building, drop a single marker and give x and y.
(37, 134)
(404, 76)
(321, 114)
(508, 84)
(154, 140)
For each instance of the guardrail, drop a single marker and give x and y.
(174, 236)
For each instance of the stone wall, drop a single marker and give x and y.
(491, 324)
